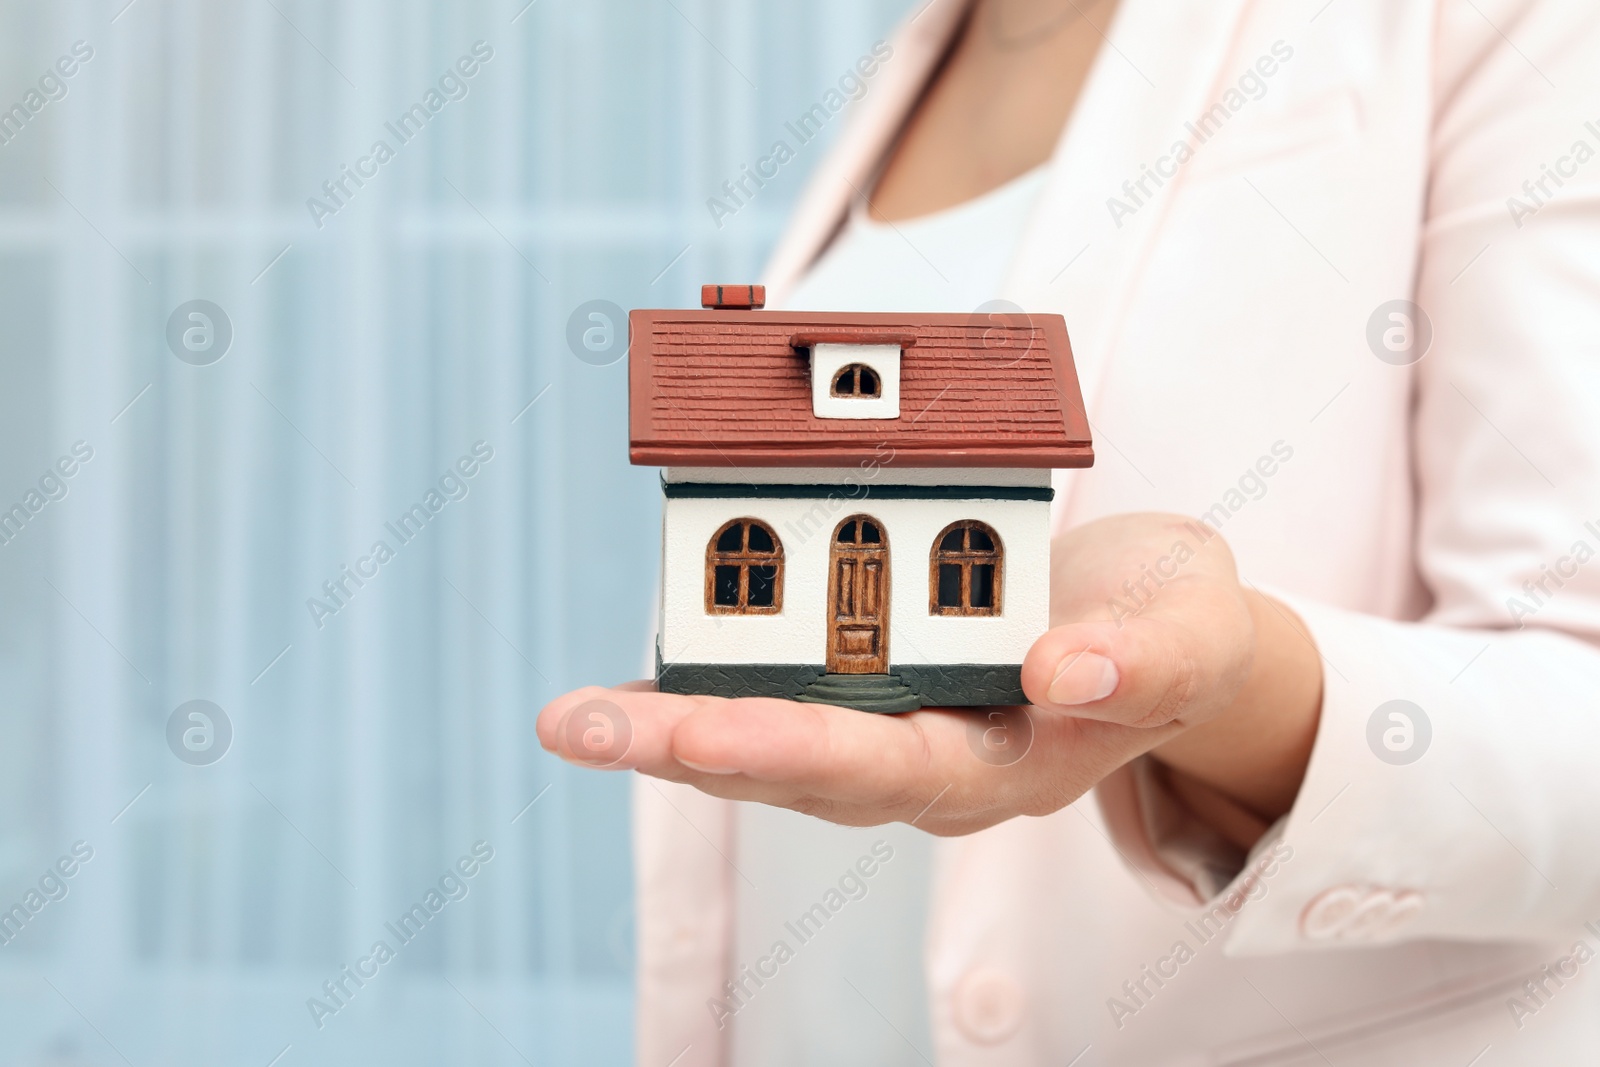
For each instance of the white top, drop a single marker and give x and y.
(829, 1003)
(951, 261)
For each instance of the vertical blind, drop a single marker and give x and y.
(260, 743)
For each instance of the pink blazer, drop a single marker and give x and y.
(1245, 189)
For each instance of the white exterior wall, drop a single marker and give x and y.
(798, 634)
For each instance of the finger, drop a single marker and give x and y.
(548, 720)
(613, 729)
(826, 761)
(633, 727)
(1141, 671)
(839, 753)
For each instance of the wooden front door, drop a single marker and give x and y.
(858, 598)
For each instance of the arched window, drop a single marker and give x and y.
(965, 570)
(857, 380)
(744, 570)
(861, 531)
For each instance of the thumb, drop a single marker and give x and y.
(1141, 671)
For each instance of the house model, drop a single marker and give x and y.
(857, 505)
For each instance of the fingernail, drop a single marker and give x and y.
(703, 769)
(1083, 679)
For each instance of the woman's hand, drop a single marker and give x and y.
(1155, 647)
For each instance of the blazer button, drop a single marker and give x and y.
(1329, 911)
(989, 1006)
(1359, 913)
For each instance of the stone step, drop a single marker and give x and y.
(883, 693)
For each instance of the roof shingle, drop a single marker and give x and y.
(733, 388)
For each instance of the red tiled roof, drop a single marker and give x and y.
(733, 388)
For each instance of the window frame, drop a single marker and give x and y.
(744, 558)
(965, 558)
(855, 369)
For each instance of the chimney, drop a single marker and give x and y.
(733, 297)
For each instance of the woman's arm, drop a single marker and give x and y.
(1472, 824)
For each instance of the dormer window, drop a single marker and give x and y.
(855, 381)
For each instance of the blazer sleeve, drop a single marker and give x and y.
(1454, 788)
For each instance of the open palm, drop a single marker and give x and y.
(1151, 635)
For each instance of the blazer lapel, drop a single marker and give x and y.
(1163, 64)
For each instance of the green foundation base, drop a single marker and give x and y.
(906, 687)
(864, 692)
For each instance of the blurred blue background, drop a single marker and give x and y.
(376, 739)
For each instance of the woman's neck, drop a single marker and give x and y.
(997, 104)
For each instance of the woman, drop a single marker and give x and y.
(1332, 272)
